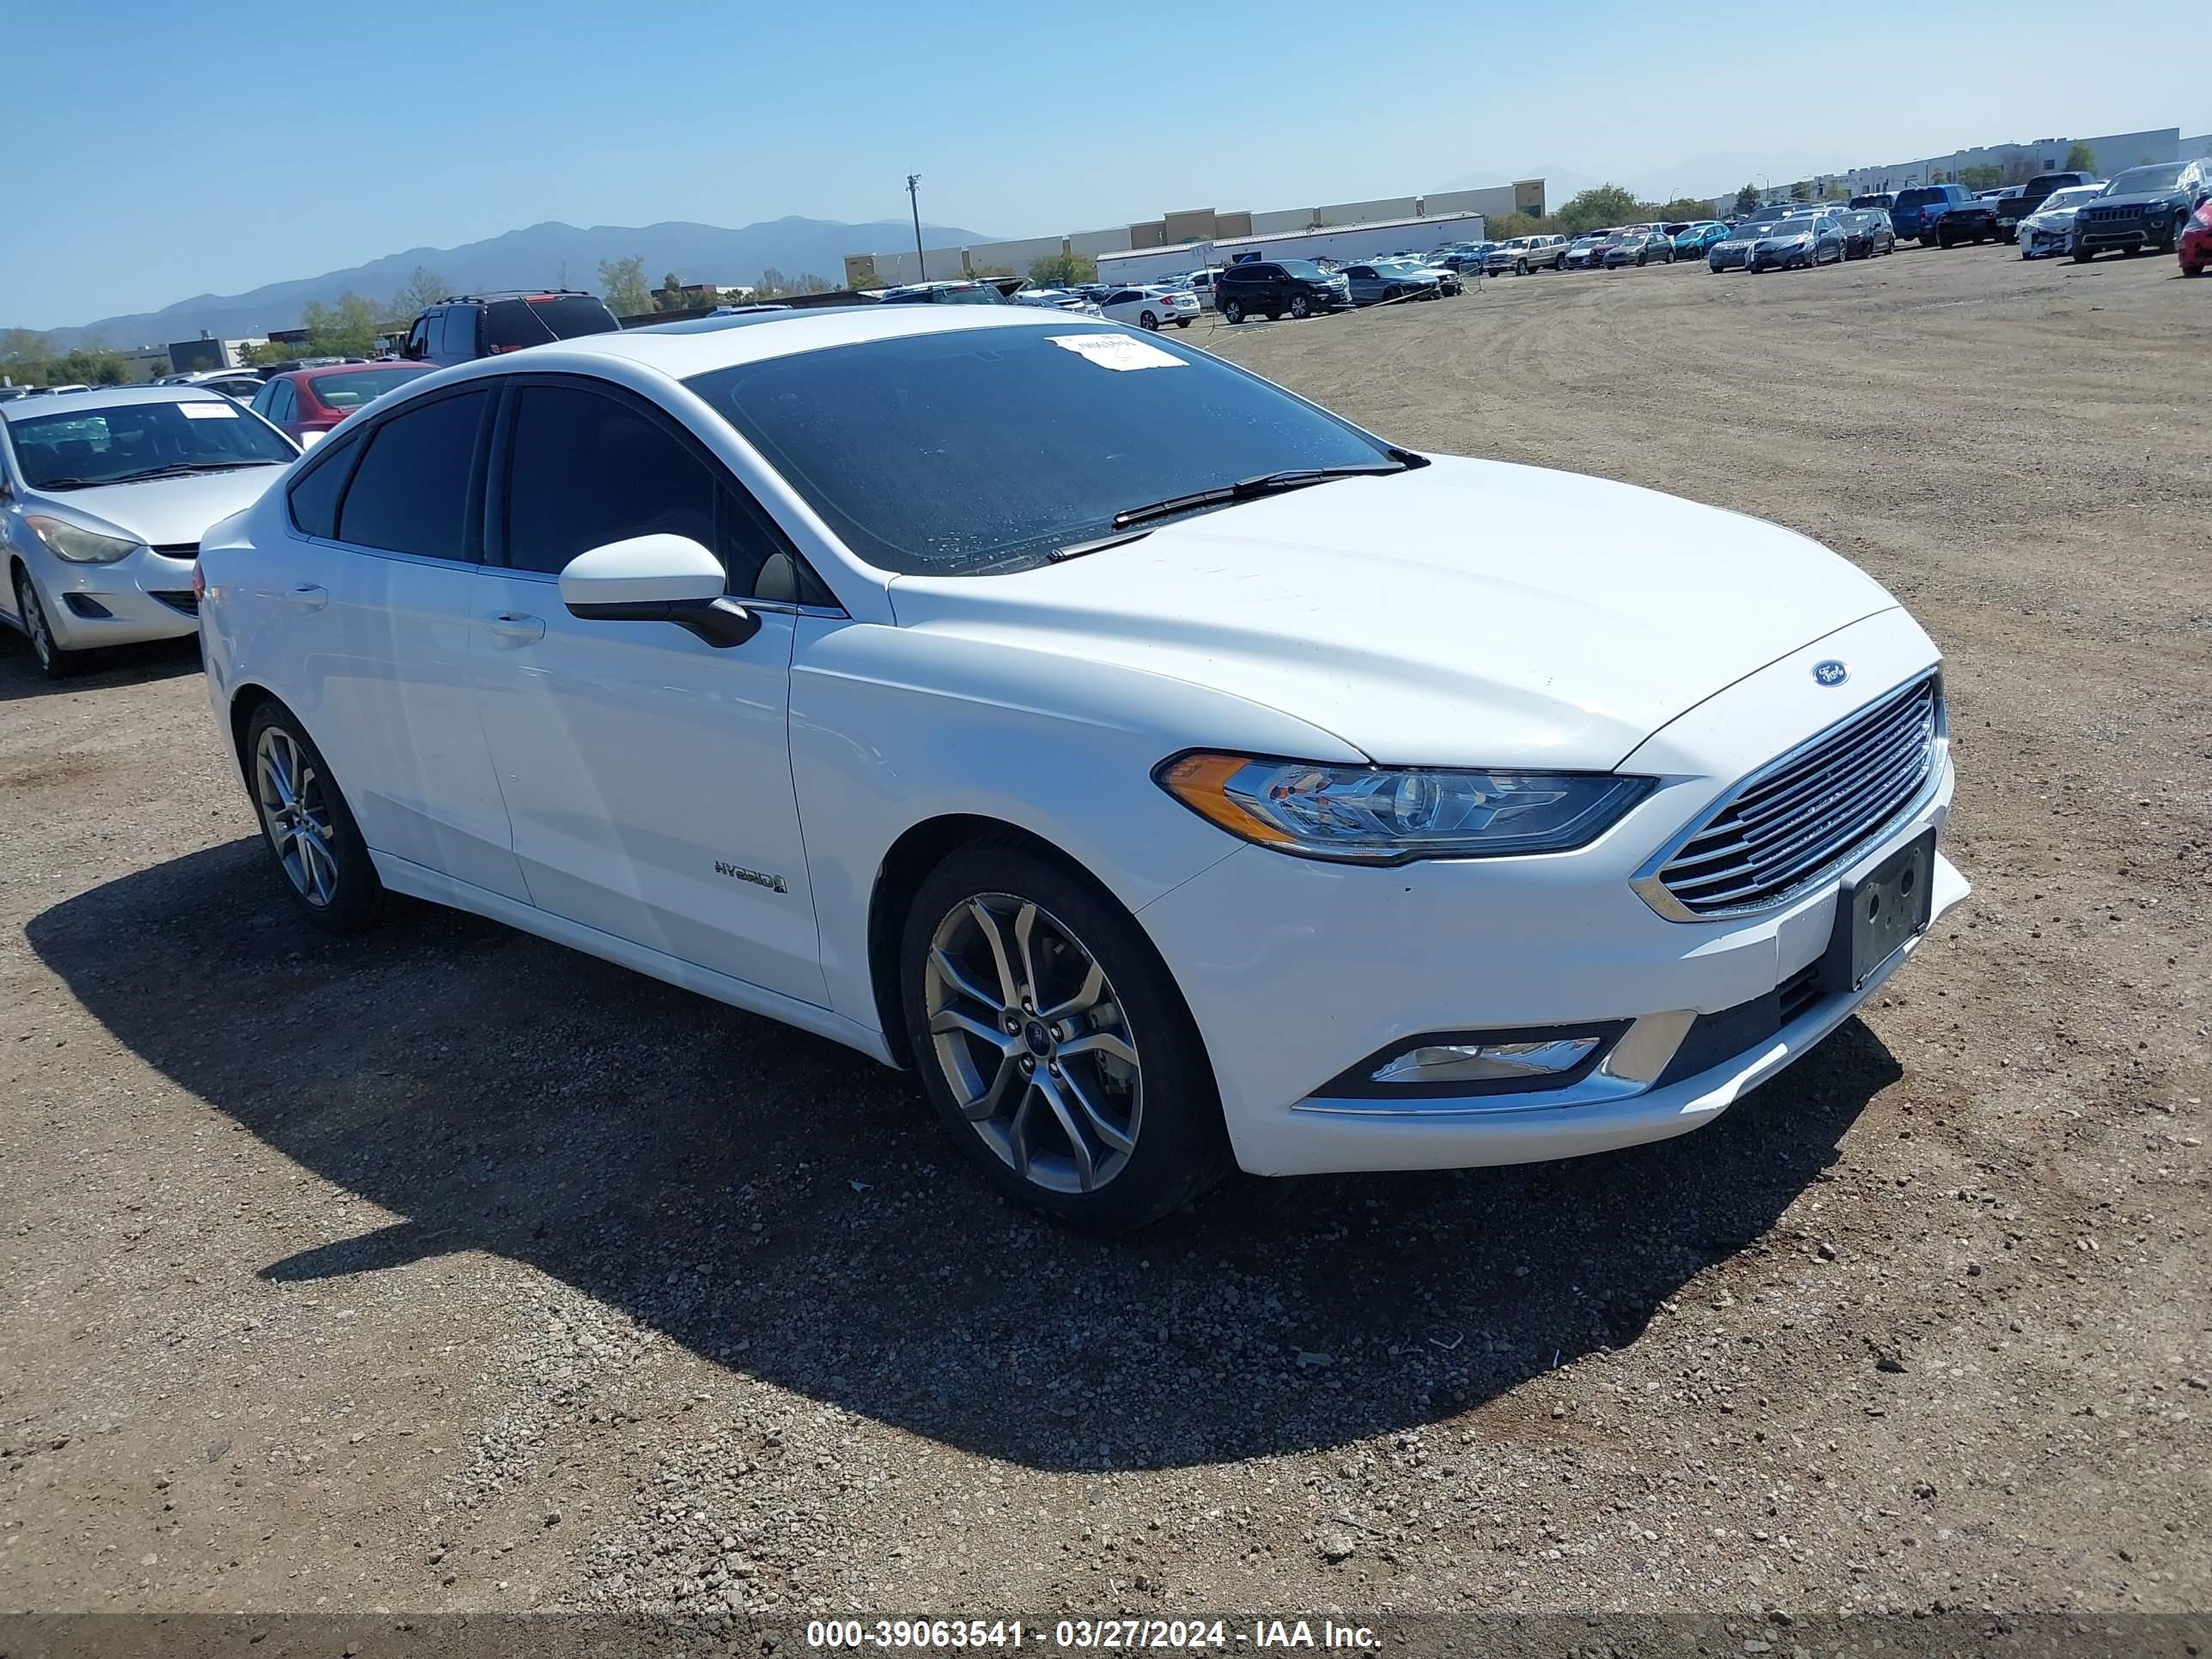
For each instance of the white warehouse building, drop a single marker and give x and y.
(1185, 232)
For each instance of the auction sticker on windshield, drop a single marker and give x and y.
(1117, 351)
(209, 411)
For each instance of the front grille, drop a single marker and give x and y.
(2109, 215)
(186, 550)
(182, 600)
(1812, 810)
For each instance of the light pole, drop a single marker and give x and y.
(920, 260)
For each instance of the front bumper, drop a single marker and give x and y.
(1297, 971)
(1727, 258)
(145, 596)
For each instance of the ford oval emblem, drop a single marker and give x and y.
(1830, 673)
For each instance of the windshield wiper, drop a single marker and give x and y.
(1266, 483)
(176, 469)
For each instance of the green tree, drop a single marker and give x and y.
(425, 288)
(348, 329)
(1683, 207)
(1063, 270)
(2081, 159)
(1746, 199)
(622, 286)
(669, 296)
(1597, 208)
(1985, 177)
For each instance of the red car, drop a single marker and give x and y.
(314, 400)
(2195, 245)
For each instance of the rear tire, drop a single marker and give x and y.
(1148, 322)
(1099, 1107)
(310, 832)
(1182, 322)
(1232, 311)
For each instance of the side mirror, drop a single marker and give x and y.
(661, 578)
(309, 440)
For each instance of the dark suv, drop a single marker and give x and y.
(2145, 207)
(1271, 288)
(472, 325)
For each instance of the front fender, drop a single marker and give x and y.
(891, 727)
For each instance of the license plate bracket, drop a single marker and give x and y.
(1880, 913)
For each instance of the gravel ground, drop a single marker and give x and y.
(444, 1269)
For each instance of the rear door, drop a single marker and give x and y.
(400, 598)
(647, 773)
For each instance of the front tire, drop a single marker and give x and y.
(1520, 267)
(54, 661)
(1053, 1042)
(2082, 255)
(310, 831)
(1301, 307)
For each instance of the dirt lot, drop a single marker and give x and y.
(446, 1270)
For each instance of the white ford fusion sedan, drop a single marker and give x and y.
(1169, 772)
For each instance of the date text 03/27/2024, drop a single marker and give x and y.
(1088, 1634)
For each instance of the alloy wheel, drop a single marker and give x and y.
(296, 813)
(1030, 1038)
(34, 623)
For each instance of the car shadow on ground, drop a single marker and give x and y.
(789, 1209)
(115, 664)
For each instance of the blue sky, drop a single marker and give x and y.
(165, 150)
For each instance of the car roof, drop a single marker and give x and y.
(697, 346)
(107, 397)
(319, 370)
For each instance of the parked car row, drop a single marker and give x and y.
(876, 670)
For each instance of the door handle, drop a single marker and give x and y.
(512, 625)
(309, 597)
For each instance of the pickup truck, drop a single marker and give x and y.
(1974, 220)
(1916, 210)
(2029, 202)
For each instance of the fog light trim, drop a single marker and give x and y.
(1522, 1061)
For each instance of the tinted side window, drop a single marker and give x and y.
(410, 492)
(315, 493)
(586, 470)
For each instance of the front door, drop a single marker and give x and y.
(647, 773)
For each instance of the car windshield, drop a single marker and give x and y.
(365, 385)
(1304, 268)
(113, 443)
(2072, 196)
(989, 449)
(2143, 181)
(1793, 227)
(1920, 197)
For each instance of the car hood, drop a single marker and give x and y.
(1465, 613)
(163, 512)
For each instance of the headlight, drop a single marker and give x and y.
(79, 546)
(1388, 815)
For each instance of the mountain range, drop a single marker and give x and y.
(548, 255)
